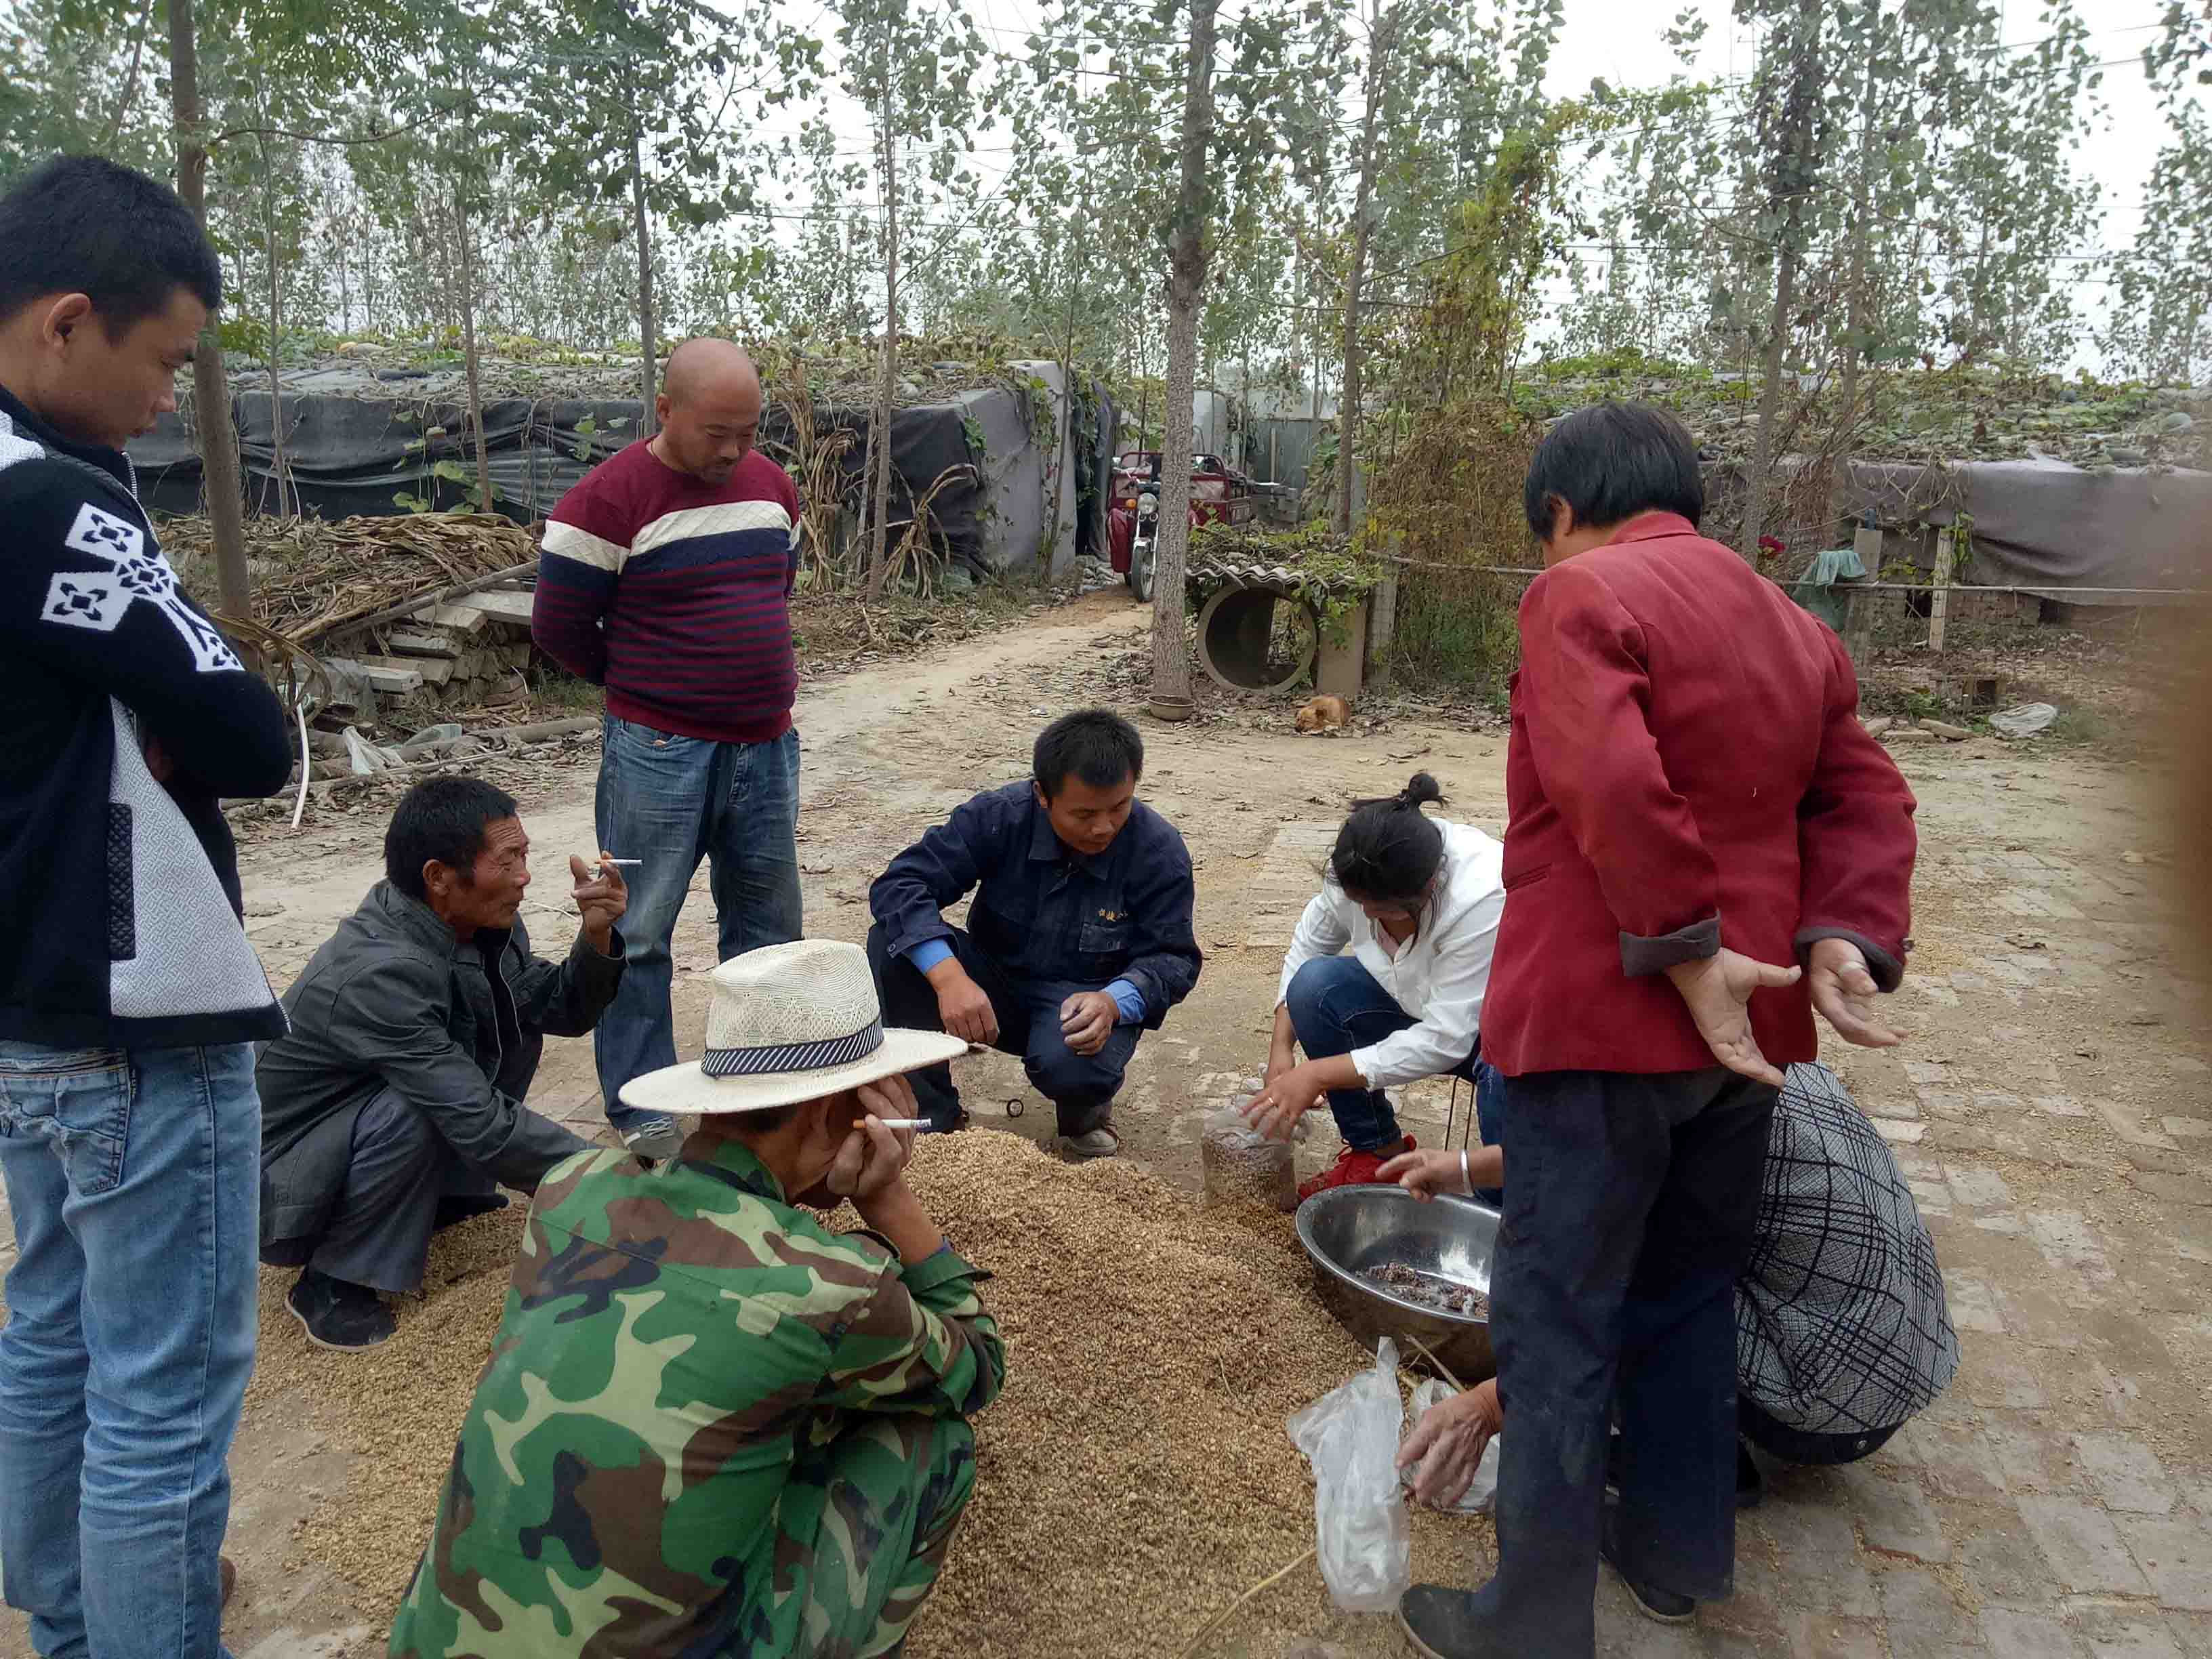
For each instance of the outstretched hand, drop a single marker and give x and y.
(1717, 990)
(1445, 1448)
(601, 897)
(1844, 992)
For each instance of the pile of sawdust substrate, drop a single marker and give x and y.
(1133, 1480)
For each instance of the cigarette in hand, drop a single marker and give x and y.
(920, 1126)
(602, 863)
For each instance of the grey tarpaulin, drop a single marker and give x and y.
(352, 454)
(2053, 528)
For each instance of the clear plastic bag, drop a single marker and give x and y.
(1479, 1497)
(1242, 1166)
(1363, 1537)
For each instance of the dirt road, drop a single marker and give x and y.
(2050, 1110)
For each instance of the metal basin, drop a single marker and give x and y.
(1348, 1230)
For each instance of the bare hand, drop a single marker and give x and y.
(962, 1007)
(1447, 1443)
(601, 897)
(1276, 1110)
(1425, 1174)
(1087, 1019)
(873, 1156)
(1717, 990)
(157, 759)
(1279, 1061)
(1844, 992)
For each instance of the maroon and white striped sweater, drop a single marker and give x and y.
(674, 593)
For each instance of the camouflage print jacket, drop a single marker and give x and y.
(674, 1336)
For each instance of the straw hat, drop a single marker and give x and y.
(789, 1023)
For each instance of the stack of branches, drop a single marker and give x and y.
(311, 577)
(918, 547)
(815, 459)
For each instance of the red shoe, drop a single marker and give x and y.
(1354, 1169)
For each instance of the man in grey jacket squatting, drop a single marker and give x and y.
(394, 1107)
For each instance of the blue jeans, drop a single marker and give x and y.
(670, 801)
(135, 1179)
(1630, 1203)
(1335, 1008)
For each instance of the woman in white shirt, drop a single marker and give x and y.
(1383, 982)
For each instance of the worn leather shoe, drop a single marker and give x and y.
(338, 1314)
(1097, 1143)
(1661, 1606)
(1442, 1623)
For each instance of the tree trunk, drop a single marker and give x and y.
(1380, 37)
(649, 422)
(1187, 257)
(226, 502)
(887, 391)
(1858, 325)
(1793, 178)
(1857, 303)
(469, 349)
(277, 470)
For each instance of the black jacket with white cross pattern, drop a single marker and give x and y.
(119, 896)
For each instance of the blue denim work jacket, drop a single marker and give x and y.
(1048, 913)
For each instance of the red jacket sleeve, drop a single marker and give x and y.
(1855, 836)
(1585, 696)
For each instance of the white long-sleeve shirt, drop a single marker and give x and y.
(1438, 976)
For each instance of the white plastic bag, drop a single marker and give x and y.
(1364, 1538)
(2026, 720)
(1483, 1492)
(366, 756)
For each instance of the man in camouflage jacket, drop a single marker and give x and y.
(711, 1427)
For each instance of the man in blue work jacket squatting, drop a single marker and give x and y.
(1079, 938)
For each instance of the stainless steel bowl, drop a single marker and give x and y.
(1348, 1230)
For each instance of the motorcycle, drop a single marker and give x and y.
(1144, 544)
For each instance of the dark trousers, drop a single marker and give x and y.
(1779, 1441)
(1336, 1006)
(1629, 1207)
(402, 1184)
(1081, 1087)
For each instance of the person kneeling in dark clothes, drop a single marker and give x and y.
(1842, 1331)
(1078, 943)
(394, 1106)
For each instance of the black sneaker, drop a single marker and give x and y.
(337, 1315)
(1661, 1606)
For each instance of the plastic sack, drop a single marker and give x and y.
(366, 756)
(2026, 720)
(1483, 1493)
(1362, 1535)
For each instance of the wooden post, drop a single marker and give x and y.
(1938, 603)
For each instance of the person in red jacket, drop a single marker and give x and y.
(1703, 846)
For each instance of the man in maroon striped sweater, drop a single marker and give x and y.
(666, 576)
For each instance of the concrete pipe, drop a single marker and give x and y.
(1235, 634)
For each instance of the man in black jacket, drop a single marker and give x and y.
(394, 1106)
(130, 1000)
